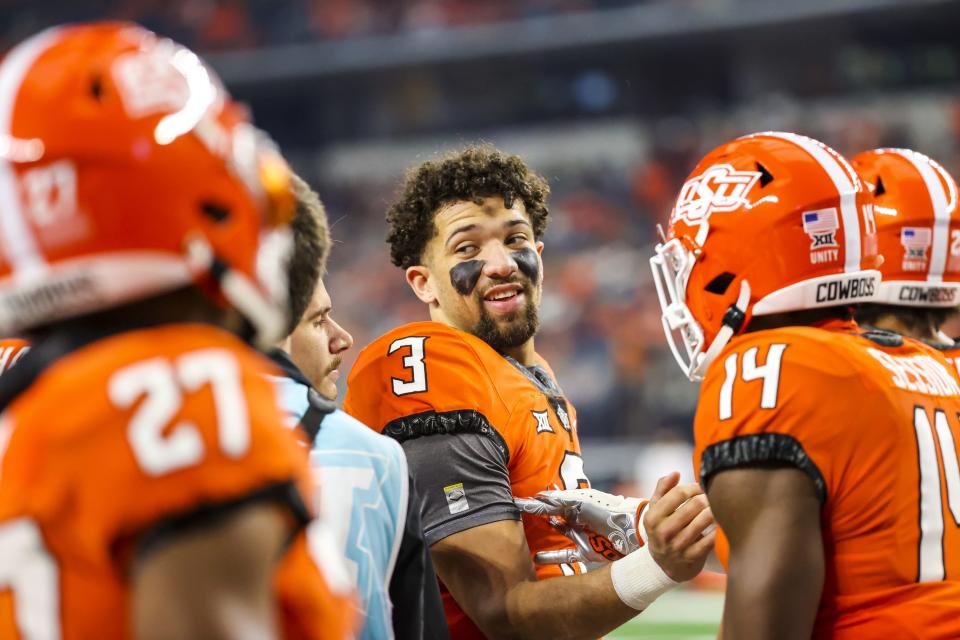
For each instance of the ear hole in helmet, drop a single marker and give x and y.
(765, 177)
(880, 190)
(720, 284)
(96, 87)
(215, 211)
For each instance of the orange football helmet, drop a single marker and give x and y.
(918, 227)
(126, 170)
(768, 223)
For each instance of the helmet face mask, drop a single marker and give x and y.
(766, 224)
(671, 268)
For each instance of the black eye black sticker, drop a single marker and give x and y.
(528, 264)
(464, 276)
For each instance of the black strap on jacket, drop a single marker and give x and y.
(319, 407)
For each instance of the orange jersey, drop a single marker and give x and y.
(952, 354)
(452, 400)
(874, 421)
(118, 441)
(11, 350)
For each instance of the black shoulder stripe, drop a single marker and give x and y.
(759, 449)
(42, 355)
(431, 423)
(318, 409)
(283, 493)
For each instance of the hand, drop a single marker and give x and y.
(603, 526)
(680, 527)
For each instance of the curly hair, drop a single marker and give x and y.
(311, 245)
(472, 174)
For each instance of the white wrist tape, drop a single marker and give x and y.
(639, 580)
(641, 526)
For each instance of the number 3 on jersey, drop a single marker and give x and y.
(412, 362)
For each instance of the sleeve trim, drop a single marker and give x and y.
(431, 423)
(283, 493)
(435, 534)
(758, 449)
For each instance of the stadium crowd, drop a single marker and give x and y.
(600, 319)
(239, 24)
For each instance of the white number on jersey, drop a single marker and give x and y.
(414, 362)
(769, 372)
(30, 572)
(571, 472)
(931, 503)
(160, 449)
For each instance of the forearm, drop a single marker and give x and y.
(583, 606)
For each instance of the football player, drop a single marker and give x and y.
(482, 418)
(918, 230)
(828, 452)
(364, 485)
(149, 485)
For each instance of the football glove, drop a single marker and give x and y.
(604, 527)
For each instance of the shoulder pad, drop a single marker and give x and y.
(883, 337)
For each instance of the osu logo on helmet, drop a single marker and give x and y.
(767, 223)
(719, 188)
(126, 170)
(918, 227)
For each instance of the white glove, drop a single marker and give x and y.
(603, 526)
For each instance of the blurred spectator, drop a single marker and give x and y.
(239, 24)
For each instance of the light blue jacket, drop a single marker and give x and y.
(364, 493)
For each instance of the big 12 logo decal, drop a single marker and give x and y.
(721, 188)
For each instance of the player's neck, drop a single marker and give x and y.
(524, 354)
(186, 305)
(803, 318)
(925, 332)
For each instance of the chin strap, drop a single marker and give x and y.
(732, 323)
(240, 292)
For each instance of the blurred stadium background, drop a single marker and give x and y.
(613, 100)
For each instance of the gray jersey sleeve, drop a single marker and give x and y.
(462, 482)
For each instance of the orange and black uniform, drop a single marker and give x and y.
(952, 354)
(478, 428)
(874, 420)
(117, 442)
(11, 350)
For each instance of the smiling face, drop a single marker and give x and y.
(482, 272)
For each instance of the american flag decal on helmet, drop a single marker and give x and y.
(821, 225)
(915, 241)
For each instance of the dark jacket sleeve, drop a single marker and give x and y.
(414, 592)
